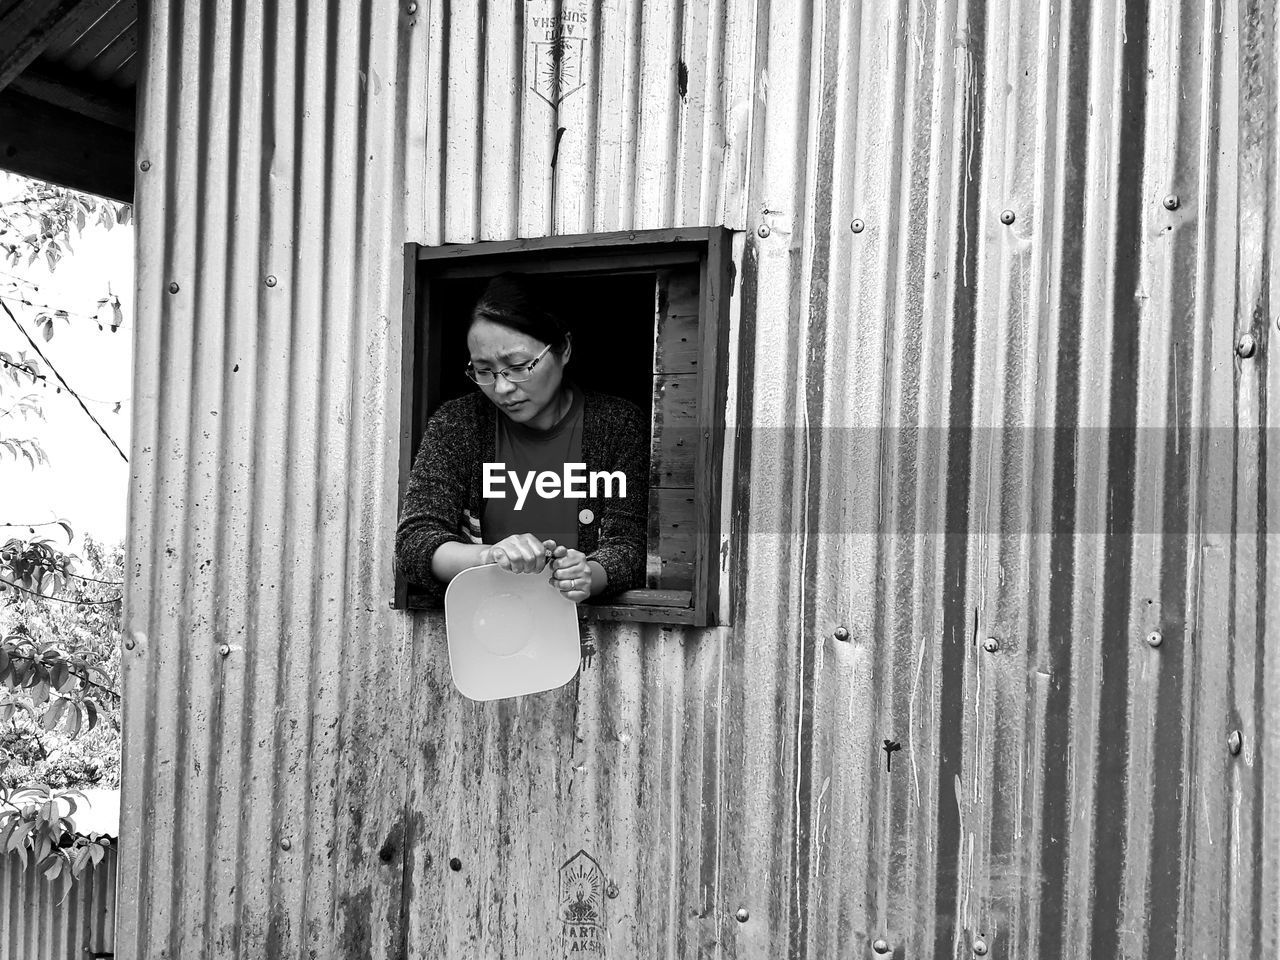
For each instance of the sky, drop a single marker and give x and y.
(86, 481)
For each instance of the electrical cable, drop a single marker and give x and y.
(88, 413)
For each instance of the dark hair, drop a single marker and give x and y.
(513, 301)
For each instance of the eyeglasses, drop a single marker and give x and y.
(516, 373)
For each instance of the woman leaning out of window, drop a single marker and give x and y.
(528, 418)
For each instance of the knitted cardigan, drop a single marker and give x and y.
(443, 502)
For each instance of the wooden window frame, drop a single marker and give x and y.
(711, 249)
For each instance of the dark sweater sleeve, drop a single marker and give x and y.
(624, 520)
(435, 499)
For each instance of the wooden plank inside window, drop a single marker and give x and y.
(674, 431)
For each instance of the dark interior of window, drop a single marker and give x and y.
(610, 318)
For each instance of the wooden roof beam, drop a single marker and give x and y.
(66, 90)
(29, 26)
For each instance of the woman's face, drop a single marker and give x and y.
(494, 347)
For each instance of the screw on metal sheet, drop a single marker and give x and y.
(980, 947)
(611, 890)
(271, 281)
(455, 864)
(1171, 202)
(1235, 742)
(880, 945)
(285, 844)
(1246, 346)
(857, 226)
(412, 8)
(173, 287)
(842, 633)
(225, 649)
(742, 915)
(991, 644)
(764, 230)
(1007, 217)
(1155, 638)
(144, 166)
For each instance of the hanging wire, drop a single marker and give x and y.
(88, 413)
(27, 371)
(108, 583)
(43, 596)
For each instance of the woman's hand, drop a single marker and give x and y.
(570, 574)
(521, 553)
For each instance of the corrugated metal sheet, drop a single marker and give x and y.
(265, 765)
(1000, 454)
(62, 919)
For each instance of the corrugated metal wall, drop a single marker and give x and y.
(60, 919)
(266, 738)
(989, 416)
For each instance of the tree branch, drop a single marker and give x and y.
(78, 603)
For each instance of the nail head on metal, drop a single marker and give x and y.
(1171, 202)
(742, 915)
(285, 844)
(1246, 346)
(1155, 638)
(980, 947)
(412, 8)
(1235, 742)
(1007, 217)
(991, 644)
(130, 643)
(842, 633)
(764, 230)
(611, 890)
(880, 946)
(271, 281)
(857, 226)
(225, 649)
(144, 166)
(455, 864)
(173, 287)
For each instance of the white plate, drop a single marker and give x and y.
(510, 634)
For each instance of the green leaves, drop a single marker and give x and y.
(37, 822)
(40, 223)
(35, 565)
(27, 448)
(110, 303)
(45, 322)
(21, 369)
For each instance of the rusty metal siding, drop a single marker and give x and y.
(60, 919)
(265, 760)
(988, 416)
(654, 136)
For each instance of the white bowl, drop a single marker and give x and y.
(510, 634)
